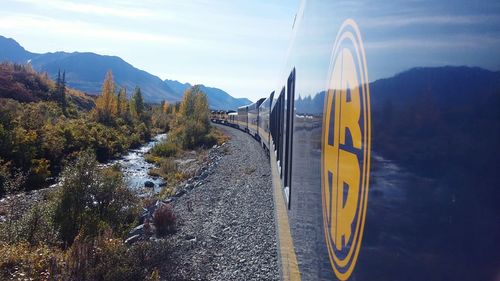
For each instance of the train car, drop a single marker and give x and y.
(216, 116)
(264, 122)
(242, 118)
(253, 118)
(385, 134)
(232, 119)
(220, 116)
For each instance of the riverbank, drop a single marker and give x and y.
(135, 171)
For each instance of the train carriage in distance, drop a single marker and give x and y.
(232, 119)
(242, 118)
(264, 122)
(253, 118)
(384, 142)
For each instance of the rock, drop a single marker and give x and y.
(180, 193)
(132, 239)
(163, 184)
(149, 184)
(138, 230)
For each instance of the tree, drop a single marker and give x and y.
(165, 107)
(60, 94)
(137, 104)
(122, 104)
(106, 104)
(192, 119)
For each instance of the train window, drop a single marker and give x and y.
(281, 128)
(290, 111)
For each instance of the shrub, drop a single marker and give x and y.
(167, 167)
(36, 226)
(164, 220)
(108, 258)
(91, 199)
(4, 176)
(165, 149)
(20, 261)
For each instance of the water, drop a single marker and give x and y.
(135, 168)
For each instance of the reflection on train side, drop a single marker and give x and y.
(432, 210)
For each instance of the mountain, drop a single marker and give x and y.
(445, 85)
(85, 71)
(217, 98)
(10, 50)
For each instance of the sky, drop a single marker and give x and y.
(238, 46)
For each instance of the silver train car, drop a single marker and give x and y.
(383, 141)
(264, 122)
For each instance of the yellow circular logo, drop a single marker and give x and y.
(345, 156)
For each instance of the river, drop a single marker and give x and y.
(135, 168)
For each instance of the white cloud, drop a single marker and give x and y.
(93, 9)
(32, 23)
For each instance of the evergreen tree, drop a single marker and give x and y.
(137, 103)
(122, 104)
(60, 92)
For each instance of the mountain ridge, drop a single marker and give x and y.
(217, 98)
(85, 71)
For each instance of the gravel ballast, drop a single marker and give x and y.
(226, 228)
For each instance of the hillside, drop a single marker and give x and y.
(23, 84)
(85, 71)
(217, 98)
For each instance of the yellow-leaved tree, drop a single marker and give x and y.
(192, 119)
(106, 105)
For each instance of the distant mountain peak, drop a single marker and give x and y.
(11, 50)
(217, 98)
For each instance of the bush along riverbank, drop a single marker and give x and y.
(44, 125)
(91, 225)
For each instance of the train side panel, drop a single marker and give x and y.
(385, 138)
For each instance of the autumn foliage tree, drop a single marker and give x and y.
(192, 124)
(106, 104)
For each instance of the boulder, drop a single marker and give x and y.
(149, 184)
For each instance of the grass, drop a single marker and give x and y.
(165, 149)
(218, 136)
